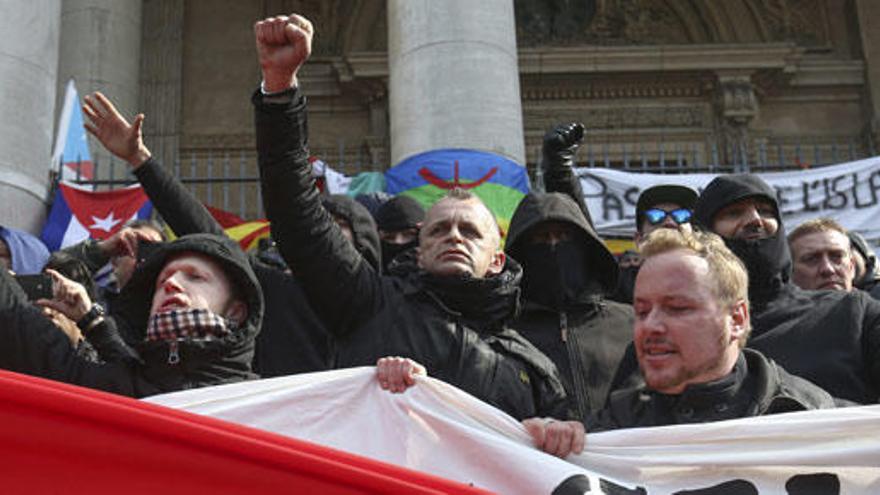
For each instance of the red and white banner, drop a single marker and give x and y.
(57, 438)
(438, 429)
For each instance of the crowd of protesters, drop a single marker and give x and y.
(717, 313)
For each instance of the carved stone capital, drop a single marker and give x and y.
(737, 101)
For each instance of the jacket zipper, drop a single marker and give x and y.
(577, 379)
(173, 353)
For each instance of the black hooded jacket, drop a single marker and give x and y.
(584, 334)
(34, 346)
(292, 339)
(455, 327)
(831, 338)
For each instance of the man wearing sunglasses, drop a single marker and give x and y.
(665, 206)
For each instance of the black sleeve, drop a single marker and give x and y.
(11, 294)
(871, 342)
(564, 180)
(105, 338)
(178, 206)
(333, 273)
(87, 251)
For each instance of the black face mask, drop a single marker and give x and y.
(768, 262)
(390, 251)
(556, 275)
(626, 284)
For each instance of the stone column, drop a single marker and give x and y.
(101, 51)
(28, 70)
(161, 77)
(869, 27)
(454, 79)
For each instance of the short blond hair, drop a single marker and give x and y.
(725, 268)
(460, 194)
(814, 226)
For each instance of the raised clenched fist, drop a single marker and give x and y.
(284, 43)
(561, 144)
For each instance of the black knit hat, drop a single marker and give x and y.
(728, 189)
(399, 213)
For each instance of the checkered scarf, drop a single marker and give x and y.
(185, 324)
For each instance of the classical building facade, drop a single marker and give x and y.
(693, 83)
(660, 84)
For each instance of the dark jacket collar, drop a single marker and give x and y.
(486, 304)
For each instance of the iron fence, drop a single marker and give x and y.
(229, 179)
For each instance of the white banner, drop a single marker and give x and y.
(436, 428)
(849, 193)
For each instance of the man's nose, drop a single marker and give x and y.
(554, 238)
(752, 215)
(172, 284)
(826, 266)
(455, 234)
(652, 322)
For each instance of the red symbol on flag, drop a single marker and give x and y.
(443, 184)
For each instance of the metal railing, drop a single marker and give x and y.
(229, 179)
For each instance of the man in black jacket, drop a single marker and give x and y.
(567, 270)
(692, 321)
(292, 339)
(831, 338)
(193, 308)
(448, 312)
(867, 276)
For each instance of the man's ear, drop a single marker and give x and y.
(740, 321)
(637, 238)
(237, 311)
(496, 266)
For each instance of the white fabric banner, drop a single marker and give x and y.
(849, 193)
(436, 428)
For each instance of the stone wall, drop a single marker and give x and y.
(637, 72)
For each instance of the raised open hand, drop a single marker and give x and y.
(114, 132)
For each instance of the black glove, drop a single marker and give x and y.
(561, 144)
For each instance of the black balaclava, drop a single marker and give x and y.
(557, 275)
(768, 260)
(579, 271)
(398, 213)
(391, 251)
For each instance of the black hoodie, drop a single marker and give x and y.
(32, 345)
(565, 313)
(292, 339)
(365, 236)
(831, 338)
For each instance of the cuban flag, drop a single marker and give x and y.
(71, 151)
(79, 214)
